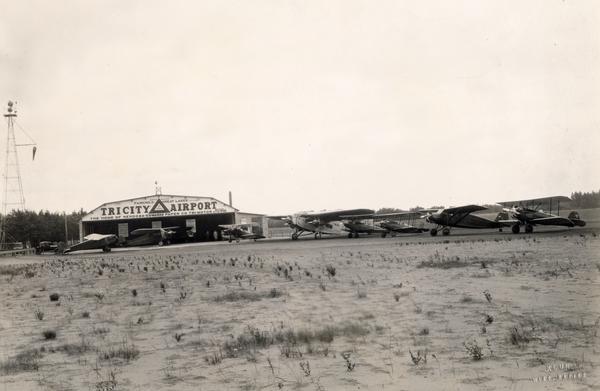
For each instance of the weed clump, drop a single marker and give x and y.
(474, 350)
(49, 334)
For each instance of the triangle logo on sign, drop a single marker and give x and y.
(159, 207)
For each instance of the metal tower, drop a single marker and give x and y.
(13, 197)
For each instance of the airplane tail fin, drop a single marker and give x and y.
(576, 219)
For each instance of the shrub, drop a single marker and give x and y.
(330, 270)
(474, 350)
(49, 334)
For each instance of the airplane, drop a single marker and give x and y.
(93, 242)
(461, 217)
(355, 224)
(319, 223)
(529, 213)
(150, 236)
(393, 224)
(46, 246)
(240, 231)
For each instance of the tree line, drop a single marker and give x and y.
(585, 200)
(30, 227)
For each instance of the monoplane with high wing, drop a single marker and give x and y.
(461, 217)
(319, 223)
(94, 242)
(151, 236)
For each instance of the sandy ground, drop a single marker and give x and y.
(475, 311)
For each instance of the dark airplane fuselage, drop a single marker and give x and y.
(462, 220)
(401, 228)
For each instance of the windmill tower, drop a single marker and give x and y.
(13, 197)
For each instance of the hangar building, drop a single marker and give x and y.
(201, 217)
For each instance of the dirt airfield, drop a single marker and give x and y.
(464, 312)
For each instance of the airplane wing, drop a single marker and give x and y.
(338, 214)
(533, 201)
(97, 236)
(400, 214)
(279, 217)
(141, 231)
(465, 209)
(232, 226)
(553, 220)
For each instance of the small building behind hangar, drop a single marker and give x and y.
(200, 215)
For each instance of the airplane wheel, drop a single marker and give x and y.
(320, 235)
(230, 240)
(161, 243)
(356, 235)
(237, 240)
(383, 235)
(515, 229)
(316, 235)
(106, 249)
(350, 235)
(500, 230)
(529, 228)
(168, 242)
(294, 236)
(445, 232)
(433, 232)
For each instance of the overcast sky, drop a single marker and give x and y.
(296, 105)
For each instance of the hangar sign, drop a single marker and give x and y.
(158, 206)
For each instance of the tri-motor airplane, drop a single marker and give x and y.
(461, 217)
(240, 231)
(94, 242)
(319, 223)
(530, 213)
(151, 236)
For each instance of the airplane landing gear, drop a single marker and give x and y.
(529, 228)
(383, 235)
(106, 249)
(446, 231)
(515, 228)
(295, 236)
(433, 232)
(161, 243)
(317, 235)
(350, 235)
(356, 235)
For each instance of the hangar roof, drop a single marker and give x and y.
(164, 205)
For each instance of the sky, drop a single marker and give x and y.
(303, 105)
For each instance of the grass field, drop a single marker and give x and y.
(472, 312)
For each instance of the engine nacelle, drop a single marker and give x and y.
(576, 219)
